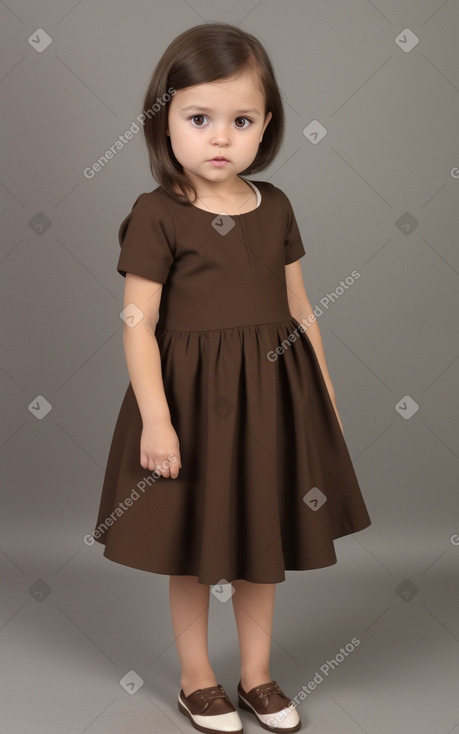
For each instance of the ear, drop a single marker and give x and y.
(267, 119)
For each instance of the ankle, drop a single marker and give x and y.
(250, 680)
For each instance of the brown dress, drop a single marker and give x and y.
(267, 482)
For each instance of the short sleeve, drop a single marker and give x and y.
(293, 244)
(147, 239)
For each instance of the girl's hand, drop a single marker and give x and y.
(159, 448)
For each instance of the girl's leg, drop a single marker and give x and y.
(189, 603)
(254, 609)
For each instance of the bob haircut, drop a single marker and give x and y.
(203, 54)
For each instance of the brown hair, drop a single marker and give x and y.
(203, 54)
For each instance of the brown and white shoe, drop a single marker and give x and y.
(210, 710)
(273, 709)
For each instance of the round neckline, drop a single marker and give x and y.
(243, 214)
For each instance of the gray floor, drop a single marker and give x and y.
(378, 193)
(65, 647)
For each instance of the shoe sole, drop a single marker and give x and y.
(205, 729)
(245, 705)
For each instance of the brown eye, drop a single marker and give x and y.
(200, 119)
(244, 119)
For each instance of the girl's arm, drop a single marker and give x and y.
(300, 308)
(159, 439)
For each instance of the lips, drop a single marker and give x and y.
(219, 158)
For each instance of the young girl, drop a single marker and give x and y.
(228, 465)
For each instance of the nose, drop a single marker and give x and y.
(220, 136)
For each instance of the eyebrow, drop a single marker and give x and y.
(208, 109)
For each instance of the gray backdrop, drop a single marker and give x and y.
(378, 193)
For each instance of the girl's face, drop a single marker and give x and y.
(224, 118)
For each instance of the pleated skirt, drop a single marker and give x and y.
(266, 483)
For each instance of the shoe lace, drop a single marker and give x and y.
(269, 688)
(213, 693)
